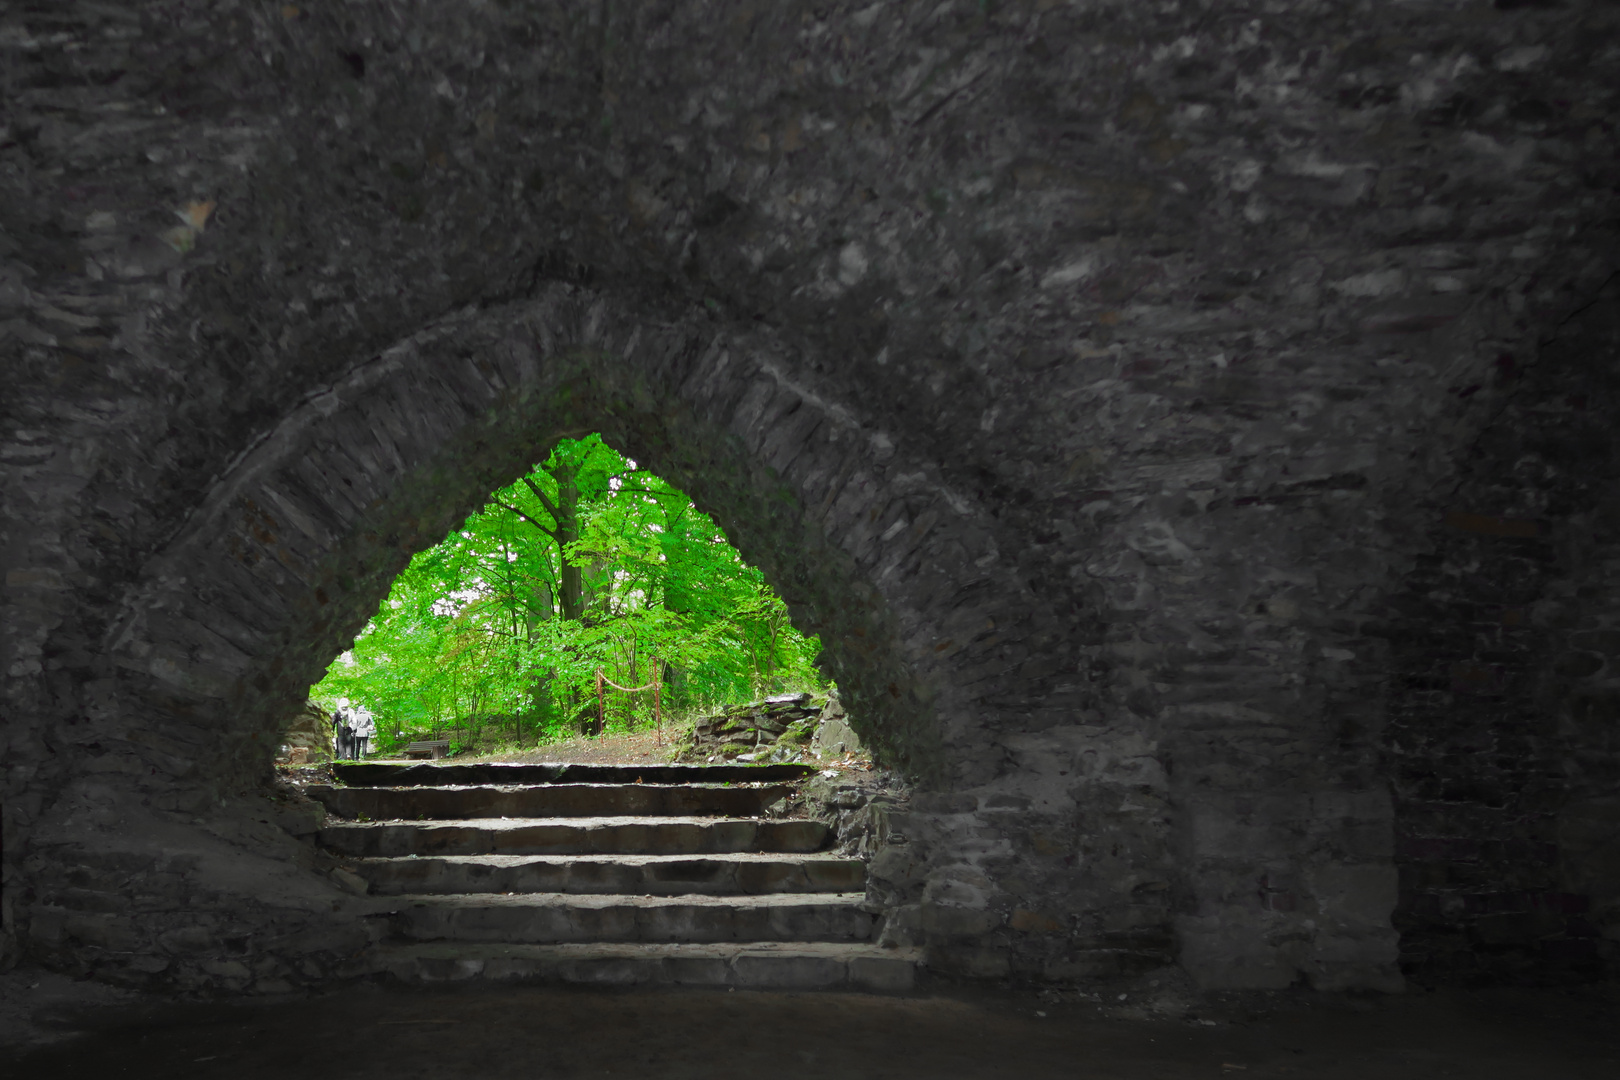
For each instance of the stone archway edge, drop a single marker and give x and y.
(467, 378)
(267, 452)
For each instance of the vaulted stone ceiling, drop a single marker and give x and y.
(1187, 421)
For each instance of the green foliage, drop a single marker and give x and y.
(587, 563)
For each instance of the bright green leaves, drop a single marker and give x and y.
(586, 563)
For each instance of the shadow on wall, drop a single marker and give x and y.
(1504, 729)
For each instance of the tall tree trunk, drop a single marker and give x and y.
(567, 515)
(630, 699)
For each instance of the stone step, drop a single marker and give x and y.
(755, 965)
(554, 918)
(546, 800)
(385, 774)
(575, 836)
(666, 875)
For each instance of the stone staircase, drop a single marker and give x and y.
(669, 874)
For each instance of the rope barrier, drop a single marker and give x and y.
(656, 686)
(627, 689)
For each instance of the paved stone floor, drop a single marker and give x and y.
(538, 1033)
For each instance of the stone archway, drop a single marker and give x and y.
(290, 550)
(1158, 398)
(297, 542)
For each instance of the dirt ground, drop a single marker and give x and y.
(541, 1033)
(613, 749)
(638, 748)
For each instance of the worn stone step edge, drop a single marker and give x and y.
(671, 875)
(569, 800)
(575, 836)
(599, 901)
(386, 774)
(562, 917)
(754, 965)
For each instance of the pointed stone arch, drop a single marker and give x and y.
(297, 541)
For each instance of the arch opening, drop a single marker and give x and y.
(588, 567)
(298, 543)
(294, 545)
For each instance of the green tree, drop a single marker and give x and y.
(587, 563)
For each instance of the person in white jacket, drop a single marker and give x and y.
(364, 727)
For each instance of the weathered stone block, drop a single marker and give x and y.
(1036, 922)
(189, 939)
(883, 974)
(1240, 949)
(104, 931)
(797, 972)
(978, 962)
(1362, 895)
(948, 920)
(901, 927)
(226, 969)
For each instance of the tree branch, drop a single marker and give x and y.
(532, 521)
(549, 506)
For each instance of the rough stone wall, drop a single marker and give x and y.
(309, 730)
(1086, 372)
(1504, 733)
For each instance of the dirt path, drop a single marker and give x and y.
(639, 748)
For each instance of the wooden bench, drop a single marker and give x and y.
(430, 748)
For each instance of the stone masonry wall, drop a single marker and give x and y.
(1504, 735)
(1094, 375)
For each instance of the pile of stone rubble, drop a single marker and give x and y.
(307, 738)
(788, 727)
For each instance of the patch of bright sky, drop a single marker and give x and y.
(450, 605)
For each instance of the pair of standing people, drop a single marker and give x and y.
(351, 735)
